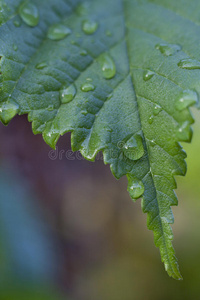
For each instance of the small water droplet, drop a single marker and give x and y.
(67, 94)
(89, 79)
(109, 96)
(133, 148)
(7, 111)
(50, 108)
(157, 110)
(108, 66)
(147, 75)
(168, 49)
(58, 32)
(83, 53)
(17, 23)
(89, 27)
(185, 132)
(87, 87)
(152, 143)
(187, 98)
(84, 112)
(189, 64)
(135, 188)
(151, 119)
(29, 14)
(15, 48)
(41, 65)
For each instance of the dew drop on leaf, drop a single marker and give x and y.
(84, 112)
(186, 99)
(168, 49)
(151, 119)
(189, 64)
(67, 94)
(185, 132)
(83, 53)
(8, 111)
(147, 75)
(41, 65)
(58, 32)
(108, 66)
(29, 14)
(89, 27)
(157, 109)
(133, 148)
(135, 188)
(87, 87)
(50, 108)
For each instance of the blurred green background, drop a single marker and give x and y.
(68, 229)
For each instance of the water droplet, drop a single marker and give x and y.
(135, 188)
(133, 148)
(50, 108)
(7, 111)
(185, 132)
(58, 32)
(17, 23)
(89, 79)
(15, 48)
(168, 49)
(109, 96)
(29, 14)
(89, 26)
(41, 65)
(189, 64)
(84, 112)
(83, 53)
(67, 94)
(147, 75)
(151, 119)
(87, 87)
(152, 143)
(108, 66)
(186, 99)
(157, 110)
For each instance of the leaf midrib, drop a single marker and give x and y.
(150, 171)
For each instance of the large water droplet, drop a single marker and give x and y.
(41, 65)
(157, 109)
(29, 14)
(67, 94)
(135, 188)
(189, 64)
(108, 66)
(133, 148)
(87, 87)
(147, 75)
(186, 99)
(7, 111)
(168, 49)
(89, 26)
(58, 32)
(185, 132)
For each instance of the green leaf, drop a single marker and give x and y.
(120, 76)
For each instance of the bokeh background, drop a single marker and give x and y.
(68, 229)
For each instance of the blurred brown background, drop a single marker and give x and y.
(69, 229)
